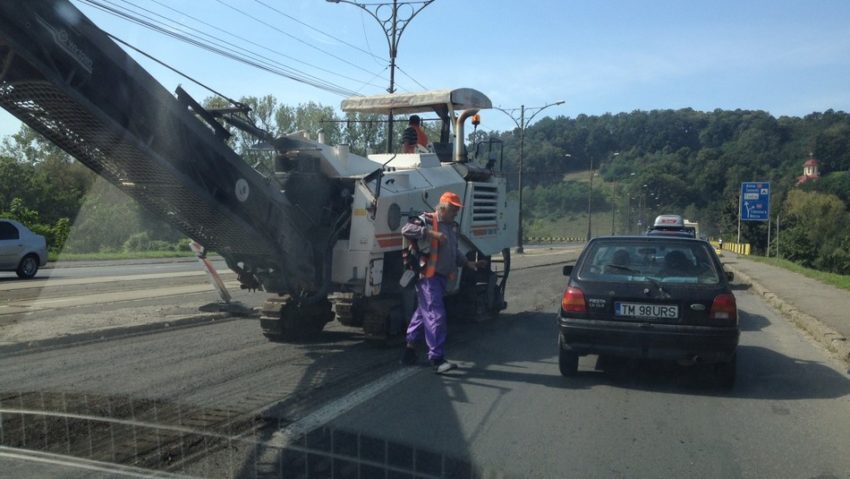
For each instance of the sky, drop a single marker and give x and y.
(607, 56)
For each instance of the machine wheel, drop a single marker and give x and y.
(382, 320)
(28, 267)
(501, 275)
(482, 294)
(491, 298)
(348, 310)
(284, 318)
(567, 360)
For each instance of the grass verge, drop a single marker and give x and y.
(838, 280)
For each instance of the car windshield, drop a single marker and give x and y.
(687, 262)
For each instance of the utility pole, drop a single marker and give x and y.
(613, 211)
(590, 199)
(522, 124)
(393, 26)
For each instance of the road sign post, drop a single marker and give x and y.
(753, 203)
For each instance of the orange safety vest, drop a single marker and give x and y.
(431, 266)
(421, 136)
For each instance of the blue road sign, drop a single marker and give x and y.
(755, 201)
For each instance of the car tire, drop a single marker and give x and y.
(726, 373)
(567, 360)
(28, 267)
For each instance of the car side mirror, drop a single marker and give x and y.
(730, 276)
(568, 270)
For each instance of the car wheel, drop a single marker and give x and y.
(28, 267)
(726, 372)
(567, 360)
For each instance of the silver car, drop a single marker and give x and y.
(21, 250)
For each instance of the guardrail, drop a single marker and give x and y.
(551, 239)
(739, 248)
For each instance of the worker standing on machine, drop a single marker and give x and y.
(414, 136)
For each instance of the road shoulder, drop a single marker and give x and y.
(816, 320)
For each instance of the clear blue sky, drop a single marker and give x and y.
(785, 57)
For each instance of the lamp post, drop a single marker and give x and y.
(522, 123)
(393, 25)
(613, 211)
(590, 200)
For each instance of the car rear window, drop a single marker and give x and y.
(669, 262)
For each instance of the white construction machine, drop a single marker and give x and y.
(322, 233)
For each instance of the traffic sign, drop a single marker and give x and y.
(755, 201)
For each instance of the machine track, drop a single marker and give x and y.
(284, 318)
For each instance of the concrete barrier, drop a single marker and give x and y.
(738, 248)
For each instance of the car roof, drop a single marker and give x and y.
(675, 236)
(670, 232)
(16, 223)
(668, 221)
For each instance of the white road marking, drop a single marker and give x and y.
(67, 463)
(334, 409)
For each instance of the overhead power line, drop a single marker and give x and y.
(215, 41)
(185, 75)
(408, 76)
(319, 31)
(258, 20)
(247, 40)
(278, 69)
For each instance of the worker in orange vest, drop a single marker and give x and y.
(440, 265)
(413, 135)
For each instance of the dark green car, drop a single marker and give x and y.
(658, 297)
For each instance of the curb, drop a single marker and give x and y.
(111, 333)
(832, 340)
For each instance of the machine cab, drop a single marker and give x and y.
(452, 106)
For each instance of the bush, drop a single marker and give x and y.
(796, 246)
(143, 242)
(183, 244)
(138, 242)
(159, 245)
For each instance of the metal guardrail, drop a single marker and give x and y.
(551, 239)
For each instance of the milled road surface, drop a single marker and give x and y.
(507, 409)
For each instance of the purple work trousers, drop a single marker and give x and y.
(430, 315)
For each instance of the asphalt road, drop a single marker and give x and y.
(507, 409)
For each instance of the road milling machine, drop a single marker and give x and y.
(322, 233)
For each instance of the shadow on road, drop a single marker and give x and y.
(752, 322)
(531, 338)
(762, 374)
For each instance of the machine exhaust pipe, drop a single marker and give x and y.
(458, 156)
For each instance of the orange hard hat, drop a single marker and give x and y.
(450, 198)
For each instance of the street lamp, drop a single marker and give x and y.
(590, 199)
(522, 123)
(393, 26)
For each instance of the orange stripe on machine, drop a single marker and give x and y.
(389, 240)
(485, 230)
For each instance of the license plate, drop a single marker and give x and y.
(640, 310)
